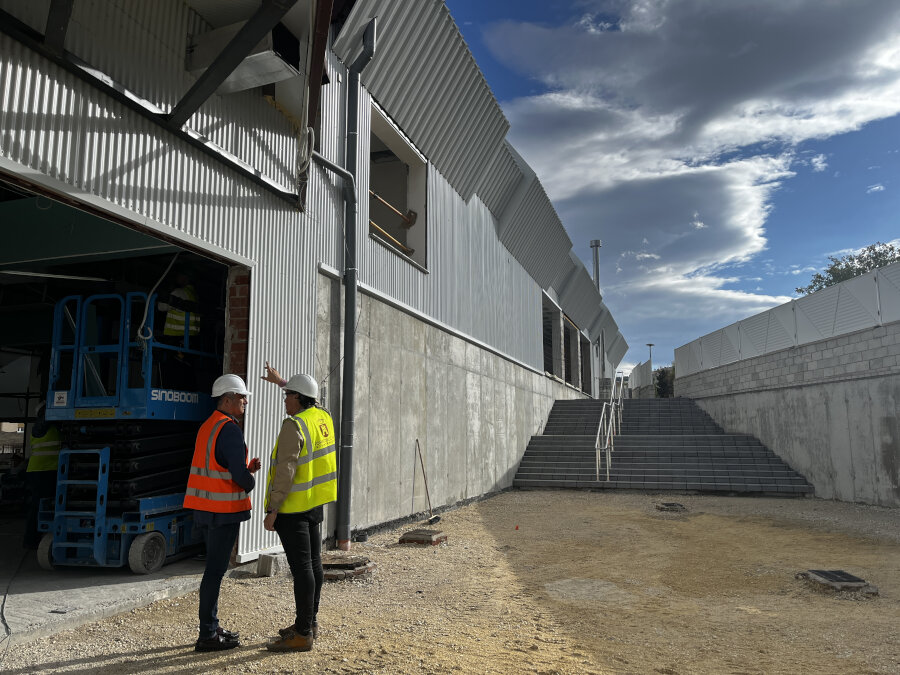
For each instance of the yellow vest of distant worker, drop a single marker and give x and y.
(175, 317)
(315, 479)
(45, 451)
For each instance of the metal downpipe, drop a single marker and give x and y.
(345, 469)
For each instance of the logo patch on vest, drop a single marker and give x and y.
(324, 429)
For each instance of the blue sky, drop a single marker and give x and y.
(721, 150)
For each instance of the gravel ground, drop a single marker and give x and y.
(555, 582)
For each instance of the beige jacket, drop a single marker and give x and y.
(290, 442)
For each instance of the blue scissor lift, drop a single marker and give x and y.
(128, 406)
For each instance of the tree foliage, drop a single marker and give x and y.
(852, 265)
(665, 382)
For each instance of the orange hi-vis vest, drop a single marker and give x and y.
(210, 486)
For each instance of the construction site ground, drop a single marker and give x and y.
(552, 582)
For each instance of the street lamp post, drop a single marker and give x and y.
(651, 344)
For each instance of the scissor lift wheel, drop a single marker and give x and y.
(147, 553)
(45, 552)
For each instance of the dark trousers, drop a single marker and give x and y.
(220, 540)
(40, 485)
(301, 537)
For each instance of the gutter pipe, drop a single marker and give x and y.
(345, 467)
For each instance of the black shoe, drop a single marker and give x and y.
(215, 644)
(227, 634)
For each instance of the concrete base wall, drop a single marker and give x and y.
(472, 411)
(831, 409)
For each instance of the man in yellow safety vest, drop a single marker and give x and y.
(302, 478)
(40, 476)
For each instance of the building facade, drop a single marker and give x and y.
(132, 131)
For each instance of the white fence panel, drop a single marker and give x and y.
(889, 293)
(869, 300)
(731, 344)
(781, 331)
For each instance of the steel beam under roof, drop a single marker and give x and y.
(57, 24)
(32, 39)
(264, 20)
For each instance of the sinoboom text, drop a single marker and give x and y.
(174, 396)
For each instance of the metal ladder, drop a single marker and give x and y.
(88, 527)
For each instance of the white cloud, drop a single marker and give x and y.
(819, 163)
(878, 187)
(655, 112)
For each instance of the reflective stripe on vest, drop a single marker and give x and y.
(211, 487)
(45, 451)
(175, 317)
(315, 478)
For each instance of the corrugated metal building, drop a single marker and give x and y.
(469, 285)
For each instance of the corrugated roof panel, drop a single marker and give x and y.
(425, 77)
(617, 351)
(536, 237)
(499, 181)
(581, 299)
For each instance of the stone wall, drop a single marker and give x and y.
(472, 410)
(831, 409)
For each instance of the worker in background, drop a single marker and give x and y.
(40, 476)
(302, 479)
(218, 486)
(183, 296)
(181, 308)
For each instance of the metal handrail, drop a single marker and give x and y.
(611, 425)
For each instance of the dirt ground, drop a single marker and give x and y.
(555, 582)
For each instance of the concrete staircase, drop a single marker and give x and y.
(665, 444)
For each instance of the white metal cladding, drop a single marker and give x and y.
(869, 300)
(500, 180)
(425, 77)
(57, 125)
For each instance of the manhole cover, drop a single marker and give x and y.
(670, 506)
(337, 567)
(423, 537)
(838, 580)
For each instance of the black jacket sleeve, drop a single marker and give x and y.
(230, 453)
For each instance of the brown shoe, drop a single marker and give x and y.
(283, 632)
(293, 642)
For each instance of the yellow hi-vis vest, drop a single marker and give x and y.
(315, 479)
(45, 451)
(175, 317)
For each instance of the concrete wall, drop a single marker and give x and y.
(472, 410)
(831, 409)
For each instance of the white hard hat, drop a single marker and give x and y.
(303, 384)
(229, 384)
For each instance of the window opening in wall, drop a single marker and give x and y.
(568, 355)
(585, 365)
(548, 342)
(398, 180)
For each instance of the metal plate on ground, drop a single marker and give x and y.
(838, 580)
(423, 537)
(337, 566)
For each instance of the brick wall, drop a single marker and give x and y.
(237, 321)
(831, 409)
